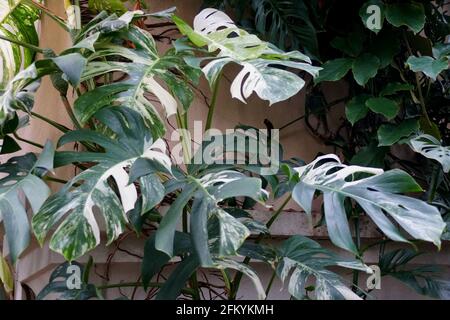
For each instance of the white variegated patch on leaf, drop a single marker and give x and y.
(430, 147)
(264, 67)
(17, 21)
(300, 259)
(378, 195)
(147, 74)
(104, 187)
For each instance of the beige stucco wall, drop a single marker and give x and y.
(36, 265)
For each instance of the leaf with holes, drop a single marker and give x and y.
(300, 259)
(263, 65)
(207, 190)
(378, 195)
(425, 279)
(144, 75)
(94, 188)
(430, 147)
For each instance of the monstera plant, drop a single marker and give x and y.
(197, 217)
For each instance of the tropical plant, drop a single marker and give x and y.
(393, 57)
(198, 216)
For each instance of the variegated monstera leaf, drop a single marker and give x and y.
(215, 232)
(430, 147)
(94, 188)
(17, 22)
(378, 195)
(144, 75)
(300, 259)
(263, 65)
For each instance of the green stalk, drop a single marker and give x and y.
(51, 179)
(37, 145)
(434, 183)
(60, 21)
(238, 277)
(358, 246)
(22, 44)
(69, 110)
(184, 139)
(212, 106)
(419, 88)
(269, 286)
(54, 124)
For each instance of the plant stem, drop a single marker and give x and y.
(37, 145)
(269, 286)
(55, 124)
(184, 139)
(419, 88)
(55, 180)
(22, 44)
(434, 183)
(72, 116)
(212, 106)
(60, 21)
(358, 246)
(238, 277)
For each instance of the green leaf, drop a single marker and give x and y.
(300, 259)
(431, 148)
(9, 145)
(166, 232)
(263, 65)
(428, 65)
(334, 70)
(425, 279)
(372, 15)
(111, 6)
(387, 107)
(154, 259)
(291, 24)
(208, 190)
(20, 179)
(389, 134)
(19, 93)
(356, 108)
(72, 65)
(351, 45)
(370, 156)
(385, 46)
(178, 278)
(365, 67)
(79, 232)
(378, 195)
(17, 21)
(6, 276)
(410, 14)
(245, 269)
(395, 87)
(441, 50)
